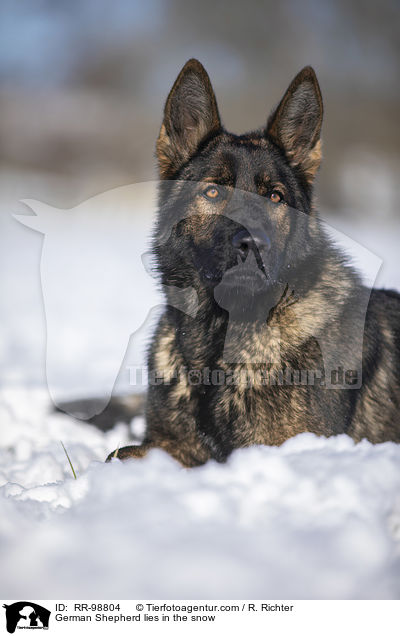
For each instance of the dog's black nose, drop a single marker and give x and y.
(245, 240)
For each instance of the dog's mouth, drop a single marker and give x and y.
(250, 293)
(236, 273)
(248, 272)
(246, 280)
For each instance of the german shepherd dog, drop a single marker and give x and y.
(276, 299)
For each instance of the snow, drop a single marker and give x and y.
(315, 518)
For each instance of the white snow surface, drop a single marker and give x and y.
(314, 518)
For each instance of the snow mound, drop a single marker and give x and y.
(315, 518)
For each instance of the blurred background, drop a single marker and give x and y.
(83, 84)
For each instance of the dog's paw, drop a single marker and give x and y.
(129, 452)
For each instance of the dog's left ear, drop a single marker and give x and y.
(295, 125)
(190, 116)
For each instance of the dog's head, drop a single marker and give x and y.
(236, 219)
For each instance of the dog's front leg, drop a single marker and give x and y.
(181, 450)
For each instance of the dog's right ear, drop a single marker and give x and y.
(190, 116)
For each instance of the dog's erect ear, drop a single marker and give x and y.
(190, 116)
(295, 125)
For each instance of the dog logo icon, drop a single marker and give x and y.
(26, 615)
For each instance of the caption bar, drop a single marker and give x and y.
(151, 617)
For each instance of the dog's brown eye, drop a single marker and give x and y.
(212, 192)
(275, 196)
